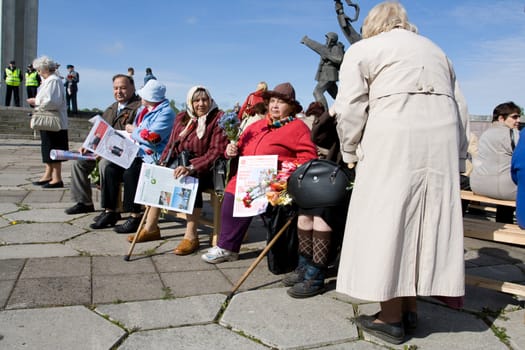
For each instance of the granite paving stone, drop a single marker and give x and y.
(114, 265)
(196, 282)
(51, 291)
(8, 208)
(73, 327)
(169, 262)
(190, 338)
(24, 232)
(156, 314)
(128, 287)
(513, 326)
(13, 196)
(6, 286)
(57, 267)
(260, 277)
(287, 323)
(11, 268)
(35, 251)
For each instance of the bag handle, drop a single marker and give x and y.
(333, 175)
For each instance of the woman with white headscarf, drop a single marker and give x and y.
(197, 137)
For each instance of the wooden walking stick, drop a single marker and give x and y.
(128, 256)
(262, 255)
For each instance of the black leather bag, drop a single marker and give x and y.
(182, 159)
(321, 183)
(283, 255)
(219, 172)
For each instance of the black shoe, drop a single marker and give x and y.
(129, 226)
(306, 289)
(59, 184)
(106, 219)
(391, 332)
(41, 183)
(410, 321)
(80, 208)
(95, 219)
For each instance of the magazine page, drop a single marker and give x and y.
(110, 144)
(253, 178)
(158, 188)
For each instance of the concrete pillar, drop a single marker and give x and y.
(19, 34)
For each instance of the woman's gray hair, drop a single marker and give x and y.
(385, 17)
(45, 63)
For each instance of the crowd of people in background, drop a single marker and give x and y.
(406, 165)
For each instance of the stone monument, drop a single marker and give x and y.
(19, 33)
(332, 53)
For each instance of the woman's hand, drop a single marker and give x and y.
(130, 128)
(31, 101)
(232, 150)
(182, 171)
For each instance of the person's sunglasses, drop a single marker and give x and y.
(515, 116)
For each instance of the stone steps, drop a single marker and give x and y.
(15, 124)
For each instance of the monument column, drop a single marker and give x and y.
(19, 33)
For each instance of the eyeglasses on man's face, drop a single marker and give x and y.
(515, 116)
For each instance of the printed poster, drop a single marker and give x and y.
(111, 144)
(253, 178)
(158, 188)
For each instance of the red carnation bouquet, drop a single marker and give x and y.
(153, 139)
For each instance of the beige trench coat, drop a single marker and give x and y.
(399, 114)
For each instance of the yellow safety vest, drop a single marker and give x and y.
(12, 77)
(31, 79)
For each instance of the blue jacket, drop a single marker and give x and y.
(517, 172)
(160, 120)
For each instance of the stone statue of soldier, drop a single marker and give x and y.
(328, 71)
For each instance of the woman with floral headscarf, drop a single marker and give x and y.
(195, 133)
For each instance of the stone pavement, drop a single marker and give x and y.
(64, 286)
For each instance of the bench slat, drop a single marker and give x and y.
(469, 195)
(493, 231)
(505, 287)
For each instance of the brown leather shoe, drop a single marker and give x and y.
(145, 236)
(187, 246)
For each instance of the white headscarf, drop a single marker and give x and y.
(201, 121)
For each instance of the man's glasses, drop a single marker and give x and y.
(515, 116)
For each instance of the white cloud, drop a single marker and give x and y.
(114, 48)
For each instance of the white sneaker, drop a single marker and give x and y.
(217, 255)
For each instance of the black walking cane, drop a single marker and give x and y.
(262, 255)
(128, 256)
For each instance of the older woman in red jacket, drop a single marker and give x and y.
(279, 133)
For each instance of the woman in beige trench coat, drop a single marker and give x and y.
(398, 117)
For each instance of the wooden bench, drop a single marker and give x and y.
(492, 231)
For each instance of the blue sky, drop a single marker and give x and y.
(229, 46)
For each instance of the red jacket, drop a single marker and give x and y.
(290, 142)
(251, 100)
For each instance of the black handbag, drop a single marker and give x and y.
(181, 159)
(219, 172)
(321, 183)
(283, 255)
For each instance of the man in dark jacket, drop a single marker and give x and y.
(118, 115)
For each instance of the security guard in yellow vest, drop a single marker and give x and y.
(32, 81)
(13, 79)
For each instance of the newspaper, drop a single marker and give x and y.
(110, 144)
(158, 188)
(253, 178)
(58, 154)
